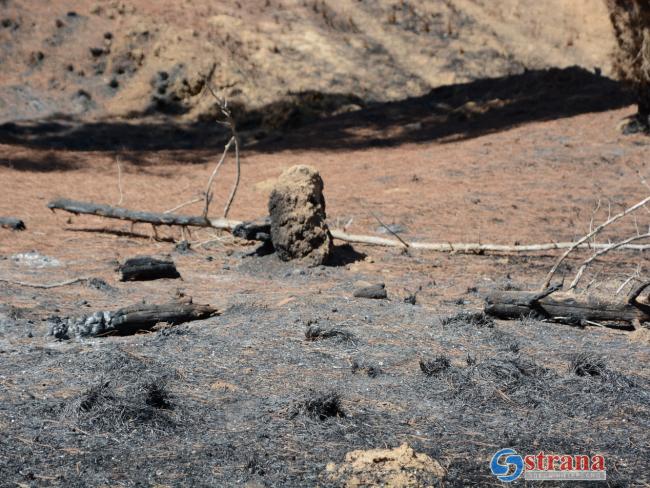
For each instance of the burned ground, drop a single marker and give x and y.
(246, 398)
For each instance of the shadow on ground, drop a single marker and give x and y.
(320, 121)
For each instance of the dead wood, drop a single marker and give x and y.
(566, 307)
(45, 286)
(594, 232)
(473, 247)
(129, 320)
(145, 268)
(259, 230)
(153, 218)
(12, 223)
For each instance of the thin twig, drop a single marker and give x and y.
(600, 253)
(185, 204)
(591, 234)
(208, 193)
(406, 245)
(44, 286)
(233, 192)
(635, 276)
(119, 179)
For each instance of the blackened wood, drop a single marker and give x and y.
(145, 268)
(564, 307)
(12, 223)
(111, 212)
(257, 230)
(144, 317)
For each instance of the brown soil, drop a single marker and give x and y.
(113, 58)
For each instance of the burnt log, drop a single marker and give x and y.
(12, 223)
(130, 320)
(145, 268)
(257, 230)
(568, 307)
(153, 218)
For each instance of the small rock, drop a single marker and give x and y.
(377, 291)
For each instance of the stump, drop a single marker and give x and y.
(297, 209)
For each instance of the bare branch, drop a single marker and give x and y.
(406, 245)
(208, 193)
(44, 286)
(185, 204)
(591, 234)
(233, 192)
(602, 252)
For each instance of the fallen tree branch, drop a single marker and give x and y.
(153, 218)
(601, 252)
(44, 286)
(130, 320)
(261, 230)
(567, 307)
(598, 229)
(471, 247)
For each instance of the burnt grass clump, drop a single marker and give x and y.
(583, 364)
(127, 394)
(315, 333)
(435, 366)
(471, 319)
(322, 406)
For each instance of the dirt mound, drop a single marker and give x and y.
(297, 209)
(399, 467)
(280, 62)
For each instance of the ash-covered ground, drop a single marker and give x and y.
(295, 373)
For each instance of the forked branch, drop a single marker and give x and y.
(591, 234)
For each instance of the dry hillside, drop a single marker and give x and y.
(117, 58)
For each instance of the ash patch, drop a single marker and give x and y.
(34, 259)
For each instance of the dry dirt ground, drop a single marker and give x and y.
(244, 398)
(135, 57)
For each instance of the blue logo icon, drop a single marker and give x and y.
(507, 465)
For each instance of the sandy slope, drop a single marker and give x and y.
(117, 58)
